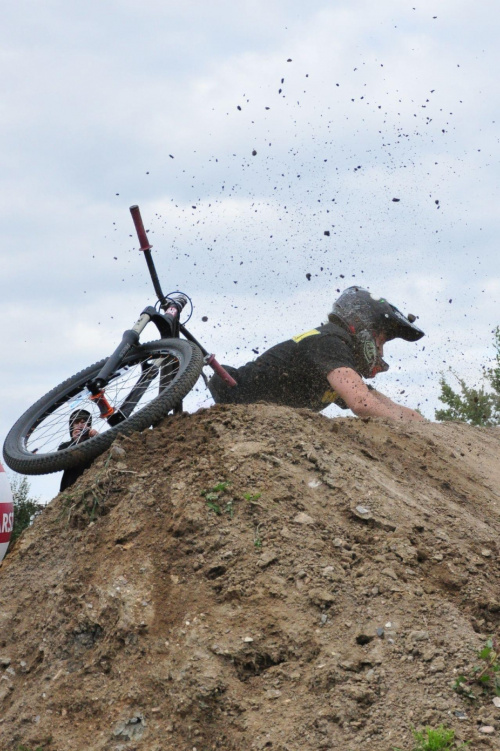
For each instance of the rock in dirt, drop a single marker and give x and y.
(303, 518)
(437, 665)
(321, 597)
(268, 557)
(117, 452)
(417, 636)
(130, 729)
(361, 512)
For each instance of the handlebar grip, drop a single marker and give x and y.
(139, 228)
(221, 371)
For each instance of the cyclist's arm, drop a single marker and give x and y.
(365, 402)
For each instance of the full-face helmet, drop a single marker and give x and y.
(367, 317)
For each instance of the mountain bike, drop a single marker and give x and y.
(133, 389)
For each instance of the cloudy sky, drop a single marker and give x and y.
(246, 131)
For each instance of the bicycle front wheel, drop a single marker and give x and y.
(147, 384)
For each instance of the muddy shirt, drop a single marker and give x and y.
(293, 373)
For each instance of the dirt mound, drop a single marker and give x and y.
(256, 577)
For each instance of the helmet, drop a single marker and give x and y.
(77, 415)
(367, 316)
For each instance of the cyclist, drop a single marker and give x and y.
(327, 364)
(80, 429)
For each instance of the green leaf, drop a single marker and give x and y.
(220, 487)
(214, 507)
(251, 496)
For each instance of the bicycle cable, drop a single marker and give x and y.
(178, 292)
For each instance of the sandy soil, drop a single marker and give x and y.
(257, 577)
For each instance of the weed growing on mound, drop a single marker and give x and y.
(251, 496)
(217, 503)
(486, 675)
(257, 539)
(440, 739)
(212, 497)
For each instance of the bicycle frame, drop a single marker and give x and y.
(168, 325)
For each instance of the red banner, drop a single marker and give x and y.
(6, 512)
(6, 521)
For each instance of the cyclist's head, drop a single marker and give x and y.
(79, 416)
(373, 321)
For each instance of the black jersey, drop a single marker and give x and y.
(293, 373)
(71, 475)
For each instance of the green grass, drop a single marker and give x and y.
(440, 739)
(251, 496)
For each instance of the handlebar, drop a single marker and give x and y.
(146, 247)
(179, 301)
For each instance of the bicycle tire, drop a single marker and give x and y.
(48, 419)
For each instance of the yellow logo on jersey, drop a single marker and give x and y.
(299, 337)
(329, 397)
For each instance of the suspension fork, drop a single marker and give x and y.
(167, 325)
(129, 340)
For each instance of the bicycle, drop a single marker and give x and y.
(133, 389)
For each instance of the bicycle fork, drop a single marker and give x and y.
(130, 339)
